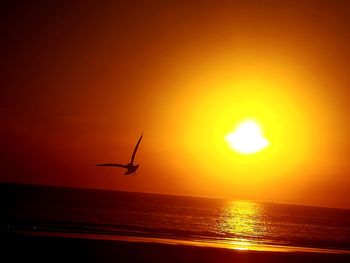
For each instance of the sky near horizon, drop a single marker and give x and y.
(81, 82)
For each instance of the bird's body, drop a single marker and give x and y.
(131, 167)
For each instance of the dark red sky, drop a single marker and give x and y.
(81, 80)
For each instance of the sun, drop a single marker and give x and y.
(247, 138)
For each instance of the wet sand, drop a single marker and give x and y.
(17, 247)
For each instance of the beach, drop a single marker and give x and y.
(17, 247)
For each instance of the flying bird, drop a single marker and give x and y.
(131, 167)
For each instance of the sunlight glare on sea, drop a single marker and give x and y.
(243, 220)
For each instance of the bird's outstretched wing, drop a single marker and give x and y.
(135, 150)
(113, 165)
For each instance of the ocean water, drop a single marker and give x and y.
(67, 210)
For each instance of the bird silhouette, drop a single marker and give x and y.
(131, 167)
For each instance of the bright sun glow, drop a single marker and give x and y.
(247, 138)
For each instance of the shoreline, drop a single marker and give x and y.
(44, 247)
(234, 245)
(242, 245)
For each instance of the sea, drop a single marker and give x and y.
(47, 209)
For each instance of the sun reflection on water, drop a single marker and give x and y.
(242, 223)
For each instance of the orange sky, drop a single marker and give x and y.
(79, 83)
